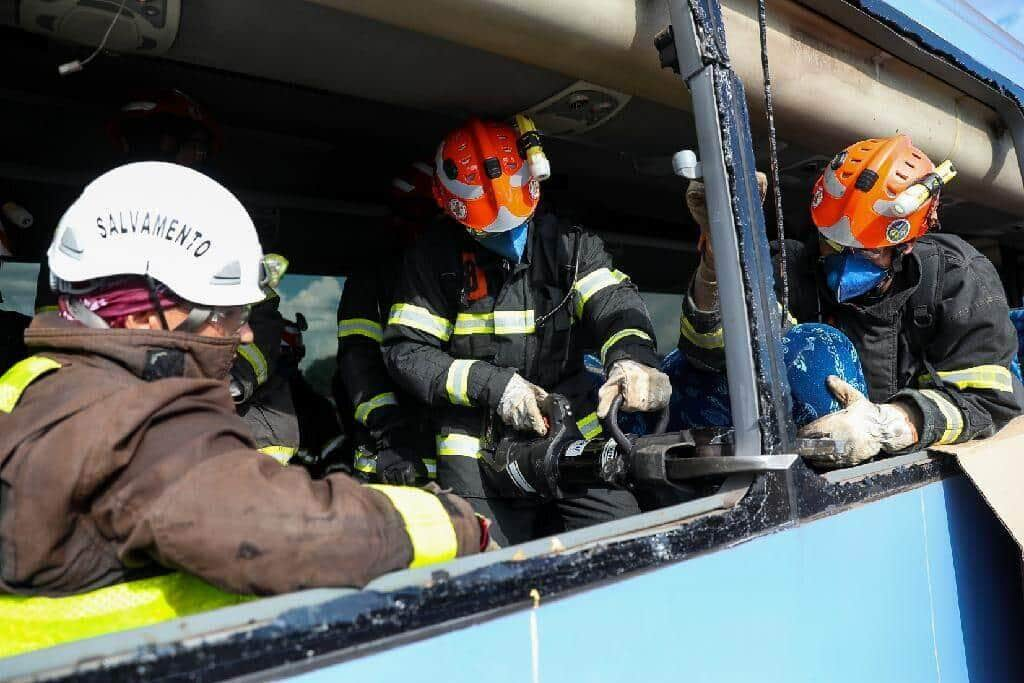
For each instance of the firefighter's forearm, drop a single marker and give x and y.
(436, 378)
(705, 286)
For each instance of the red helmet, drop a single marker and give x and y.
(150, 113)
(878, 193)
(412, 193)
(482, 180)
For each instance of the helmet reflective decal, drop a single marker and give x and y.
(841, 233)
(457, 209)
(819, 194)
(457, 188)
(832, 184)
(898, 230)
(520, 177)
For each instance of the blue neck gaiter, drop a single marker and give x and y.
(510, 244)
(849, 275)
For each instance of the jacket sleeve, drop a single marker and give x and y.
(196, 497)
(364, 383)
(610, 308)
(416, 341)
(970, 350)
(257, 362)
(701, 338)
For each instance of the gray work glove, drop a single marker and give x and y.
(643, 389)
(865, 427)
(519, 406)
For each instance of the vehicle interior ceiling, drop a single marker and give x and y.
(313, 137)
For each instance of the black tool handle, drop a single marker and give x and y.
(611, 424)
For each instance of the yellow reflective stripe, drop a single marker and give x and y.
(431, 465)
(498, 322)
(457, 383)
(592, 283)
(363, 327)
(252, 354)
(619, 336)
(427, 522)
(420, 319)
(282, 454)
(19, 376)
(954, 420)
(364, 409)
(589, 426)
(49, 308)
(33, 623)
(994, 377)
(458, 444)
(704, 340)
(365, 461)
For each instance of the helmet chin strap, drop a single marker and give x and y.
(155, 300)
(83, 315)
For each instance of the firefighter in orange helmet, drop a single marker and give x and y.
(494, 308)
(925, 311)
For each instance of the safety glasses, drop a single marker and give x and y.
(230, 319)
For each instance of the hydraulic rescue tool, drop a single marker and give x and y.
(563, 463)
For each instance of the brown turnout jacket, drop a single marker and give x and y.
(106, 476)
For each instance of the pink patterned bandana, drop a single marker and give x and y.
(117, 303)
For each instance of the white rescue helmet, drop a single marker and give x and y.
(166, 221)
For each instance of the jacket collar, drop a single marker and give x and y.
(201, 357)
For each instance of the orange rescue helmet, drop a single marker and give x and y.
(481, 178)
(878, 193)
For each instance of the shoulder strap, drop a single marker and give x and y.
(924, 303)
(14, 382)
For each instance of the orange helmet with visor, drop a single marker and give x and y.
(481, 178)
(878, 193)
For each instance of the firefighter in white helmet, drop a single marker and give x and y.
(122, 452)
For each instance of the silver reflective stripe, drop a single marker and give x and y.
(514, 322)
(457, 383)
(363, 327)
(255, 358)
(592, 283)
(431, 465)
(364, 409)
(458, 444)
(420, 319)
(498, 322)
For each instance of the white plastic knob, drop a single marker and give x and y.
(685, 164)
